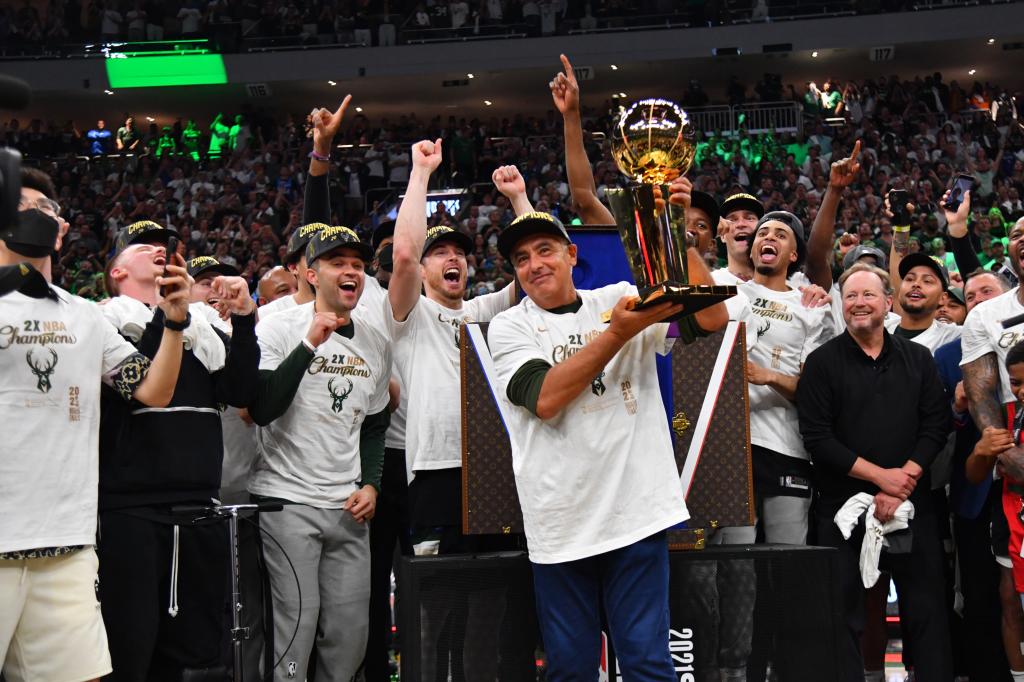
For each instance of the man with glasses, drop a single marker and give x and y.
(37, 191)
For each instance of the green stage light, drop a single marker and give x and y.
(165, 70)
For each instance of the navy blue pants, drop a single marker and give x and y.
(632, 583)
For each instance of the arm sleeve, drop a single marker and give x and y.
(116, 348)
(484, 308)
(524, 386)
(237, 381)
(821, 332)
(316, 204)
(514, 348)
(974, 340)
(933, 414)
(966, 259)
(371, 447)
(816, 406)
(276, 387)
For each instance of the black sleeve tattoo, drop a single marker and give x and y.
(981, 383)
(127, 376)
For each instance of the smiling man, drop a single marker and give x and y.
(787, 332)
(322, 408)
(591, 452)
(921, 286)
(276, 283)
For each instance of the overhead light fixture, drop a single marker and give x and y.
(814, 54)
(150, 119)
(488, 102)
(469, 75)
(359, 109)
(331, 83)
(991, 41)
(614, 68)
(972, 72)
(109, 92)
(622, 94)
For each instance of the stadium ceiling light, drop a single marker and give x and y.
(972, 72)
(469, 75)
(622, 94)
(359, 109)
(150, 119)
(614, 68)
(991, 41)
(488, 102)
(109, 92)
(331, 83)
(814, 54)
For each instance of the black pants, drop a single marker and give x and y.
(146, 642)
(919, 581)
(388, 529)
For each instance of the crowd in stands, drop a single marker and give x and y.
(235, 191)
(54, 24)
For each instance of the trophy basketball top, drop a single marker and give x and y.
(653, 141)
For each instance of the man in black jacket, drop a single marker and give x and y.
(163, 579)
(873, 415)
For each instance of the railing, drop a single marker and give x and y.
(755, 118)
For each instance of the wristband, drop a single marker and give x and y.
(178, 326)
(310, 347)
(319, 157)
(901, 228)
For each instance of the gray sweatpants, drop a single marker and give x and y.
(331, 554)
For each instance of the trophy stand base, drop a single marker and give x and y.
(693, 297)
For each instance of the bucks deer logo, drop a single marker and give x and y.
(597, 385)
(763, 328)
(339, 397)
(42, 369)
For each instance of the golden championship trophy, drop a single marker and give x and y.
(653, 143)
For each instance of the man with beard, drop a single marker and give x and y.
(920, 286)
(162, 583)
(323, 410)
(787, 332)
(276, 283)
(867, 376)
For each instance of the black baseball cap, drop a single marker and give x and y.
(200, 265)
(706, 203)
(957, 294)
(862, 250)
(742, 202)
(443, 233)
(381, 232)
(142, 232)
(526, 225)
(912, 260)
(335, 237)
(299, 240)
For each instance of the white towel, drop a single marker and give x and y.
(874, 530)
(131, 316)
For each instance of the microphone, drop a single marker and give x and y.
(14, 93)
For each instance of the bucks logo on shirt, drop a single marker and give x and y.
(338, 396)
(42, 365)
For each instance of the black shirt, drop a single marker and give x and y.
(885, 410)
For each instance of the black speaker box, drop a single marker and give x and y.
(765, 609)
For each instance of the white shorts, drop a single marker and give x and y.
(51, 627)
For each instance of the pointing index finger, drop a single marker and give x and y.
(856, 151)
(567, 66)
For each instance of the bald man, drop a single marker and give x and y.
(276, 283)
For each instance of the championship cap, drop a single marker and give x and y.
(861, 251)
(141, 232)
(299, 240)
(528, 225)
(335, 237)
(200, 265)
(706, 203)
(742, 202)
(443, 233)
(912, 260)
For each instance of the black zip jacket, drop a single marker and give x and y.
(160, 456)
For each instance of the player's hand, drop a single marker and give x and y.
(724, 227)
(565, 91)
(627, 323)
(426, 155)
(896, 482)
(758, 375)
(847, 242)
(362, 503)
(888, 209)
(957, 220)
(886, 506)
(326, 125)
(844, 172)
(993, 442)
(320, 329)
(509, 181)
(177, 287)
(960, 403)
(234, 297)
(813, 296)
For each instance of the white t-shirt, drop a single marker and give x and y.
(983, 333)
(310, 454)
(53, 355)
(932, 338)
(277, 305)
(787, 332)
(426, 350)
(738, 306)
(601, 474)
(371, 308)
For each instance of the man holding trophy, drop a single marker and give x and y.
(586, 413)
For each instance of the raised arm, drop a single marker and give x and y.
(411, 230)
(509, 181)
(566, 94)
(157, 388)
(819, 244)
(316, 205)
(966, 259)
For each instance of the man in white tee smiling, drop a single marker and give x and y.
(587, 417)
(786, 334)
